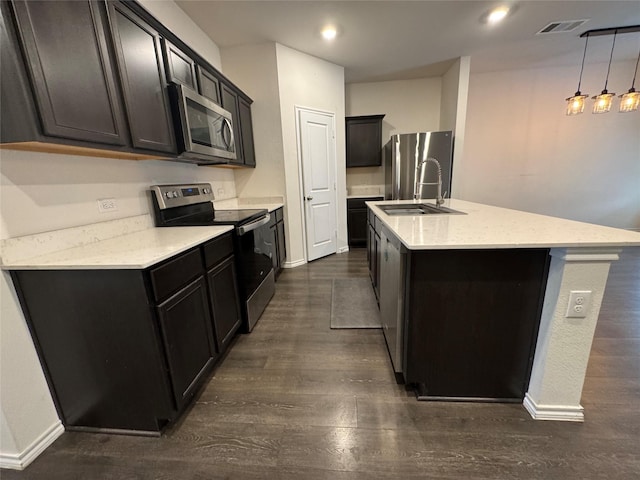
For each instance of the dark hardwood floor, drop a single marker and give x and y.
(296, 400)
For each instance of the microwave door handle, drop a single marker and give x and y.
(231, 141)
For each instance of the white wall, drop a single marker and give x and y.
(176, 20)
(254, 69)
(41, 192)
(523, 152)
(408, 106)
(307, 81)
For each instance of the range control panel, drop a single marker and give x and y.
(169, 196)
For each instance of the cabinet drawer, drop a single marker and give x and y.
(218, 249)
(360, 202)
(279, 215)
(172, 275)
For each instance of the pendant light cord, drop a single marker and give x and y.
(610, 58)
(583, 57)
(635, 72)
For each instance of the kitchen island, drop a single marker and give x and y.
(493, 273)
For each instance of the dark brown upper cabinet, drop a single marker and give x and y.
(246, 131)
(70, 70)
(209, 84)
(180, 67)
(364, 141)
(240, 110)
(143, 80)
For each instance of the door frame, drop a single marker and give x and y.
(298, 109)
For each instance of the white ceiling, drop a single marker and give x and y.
(393, 39)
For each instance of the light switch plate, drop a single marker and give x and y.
(579, 303)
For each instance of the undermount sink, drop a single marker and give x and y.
(417, 209)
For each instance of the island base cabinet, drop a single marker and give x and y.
(472, 320)
(105, 370)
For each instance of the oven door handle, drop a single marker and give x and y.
(253, 225)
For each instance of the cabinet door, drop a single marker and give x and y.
(230, 103)
(246, 127)
(143, 80)
(180, 68)
(282, 245)
(225, 301)
(274, 246)
(71, 71)
(357, 227)
(364, 141)
(209, 84)
(185, 324)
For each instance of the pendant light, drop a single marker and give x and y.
(603, 101)
(629, 101)
(575, 104)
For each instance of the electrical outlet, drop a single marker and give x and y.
(579, 302)
(106, 205)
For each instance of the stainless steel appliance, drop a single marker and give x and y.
(204, 130)
(392, 287)
(408, 164)
(191, 205)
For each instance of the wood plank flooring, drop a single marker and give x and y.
(296, 400)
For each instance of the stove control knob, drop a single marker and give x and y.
(206, 191)
(175, 194)
(167, 194)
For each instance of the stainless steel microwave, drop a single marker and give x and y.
(204, 130)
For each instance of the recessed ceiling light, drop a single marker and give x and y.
(329, 33)
(497, 14)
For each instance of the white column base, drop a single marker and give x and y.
(19, 461)
(562, 413)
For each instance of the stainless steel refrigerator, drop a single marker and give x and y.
(405, 151)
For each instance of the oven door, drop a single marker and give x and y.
(257, 279)
(204, 129)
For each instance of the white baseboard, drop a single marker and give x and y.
(19, 461)
(343, 249)
(561, 413)
(294, 263)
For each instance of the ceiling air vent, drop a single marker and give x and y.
(561, 27)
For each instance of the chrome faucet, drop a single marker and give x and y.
(417, 188)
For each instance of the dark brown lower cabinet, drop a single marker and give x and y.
(357, 224)
(185, 324)
(225, 305)
(126, 350)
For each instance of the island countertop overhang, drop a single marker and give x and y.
(487, 227)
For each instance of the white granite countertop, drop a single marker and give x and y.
(485, 226)
(136, 250)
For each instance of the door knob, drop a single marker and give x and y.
(309, 198)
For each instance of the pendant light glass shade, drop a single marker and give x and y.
(629, 101)
(575, 104)
(603, 102)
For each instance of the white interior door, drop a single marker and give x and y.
(317, 152)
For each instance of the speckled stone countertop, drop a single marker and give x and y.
(90, 247)
(485, 226)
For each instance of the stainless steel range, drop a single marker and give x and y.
(192, 205)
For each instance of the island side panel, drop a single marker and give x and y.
(564, 343)
(472, 322)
